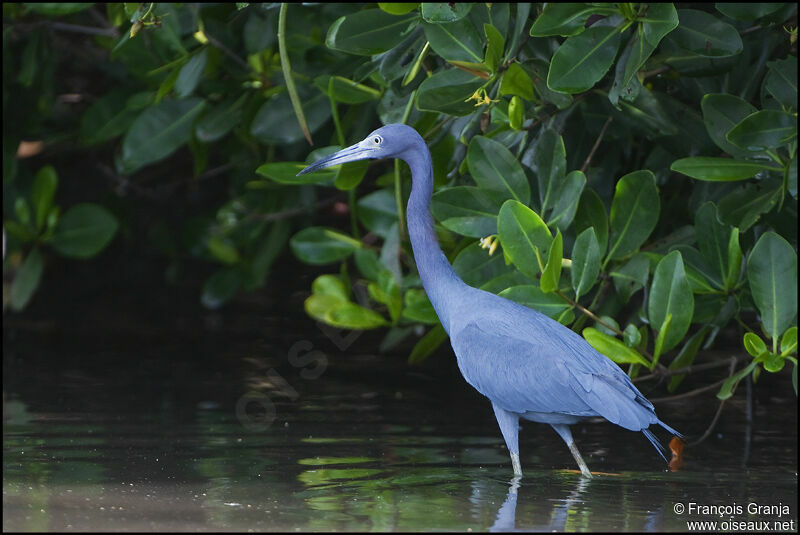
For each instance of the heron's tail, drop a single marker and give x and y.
(655, 442)
(671, 430)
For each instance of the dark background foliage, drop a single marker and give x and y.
(628, 169)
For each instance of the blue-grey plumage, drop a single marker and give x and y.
(528, 365)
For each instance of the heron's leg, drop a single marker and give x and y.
(509, 426)
(564, 432)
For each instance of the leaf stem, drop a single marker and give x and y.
(287, 74)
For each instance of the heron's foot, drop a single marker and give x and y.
(581, 464)
(515, 464)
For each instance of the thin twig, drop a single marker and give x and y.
(690, 393)
(719, 409)
(285, 214)
(686, 369)
(659, 70)
(596, 144)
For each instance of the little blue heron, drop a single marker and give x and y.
(528, 365)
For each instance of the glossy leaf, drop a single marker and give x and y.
(565, 19)
(158, 132)
(494, 168)
(552, 271)
(670, 293)
(458, 41)
(781, 81)
(585, 262)
(582, 60)
(744, 206)
(190, 74)
(319, 245)
(418, 308)
(634, 213)
(533, 297)
(706, 35)
(549, 164)
(447, 92)
(440, 12)
(765, 129)
(721, 112)
(377, 211)
(728, 387)
(524, 236)
(398, 8)
(275, 121)
(84, 230)
(517, 82)
(754, 344)
(772, 273)
(713, 239)
(719, 169)
(220, 120)
(368, 32)
(567, 199)
(632, 276)
(613, 348)
(789, 341)
(345, 90)
(592, 213)
(466, 210)
(747, 11)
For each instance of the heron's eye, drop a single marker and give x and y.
(377, 140)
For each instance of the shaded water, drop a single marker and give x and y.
(166, 417)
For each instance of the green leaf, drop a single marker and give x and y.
(631, 335)
(418, 308)
(447, 91)
(713, 239)
(781, 81)
(772, 273)
(475, 267)
(549, 304)
(107, 117)
(789, 341)
(686, 357)
(567, 199)
(466, 210)
(368, 32)
(582, 60)
(585, 262)
(319, 245)
(220, 120)
(516, 113)
(158, 132)
(592, 213)
(439, 12)
(456, 41)
(727, 388)
(288, 78)
(344, 90)
(552, 272)
(549, 164)
(494, 168)
(743, 206)
(722, 112)
(659, 20)
(223, 250)
(754, 344)
(663, 333)
(43, 192)
(613, 348)
(495, 42)
(634, 213)
(734, 260)
(747, 11)
(517, 82)
(190, 74)
(774, 363)
(286, 173)
(342, 314)
(276, 123)
(84, 231)
(427, 344)
(670, 293)
(398, 8)
(765, 129)
(26, 280)
(524, 236)
(377, 211)
(706, 35)
(565, 19)
(719, 169)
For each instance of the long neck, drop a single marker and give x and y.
(441, 282)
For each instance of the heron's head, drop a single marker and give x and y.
(390, 141)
